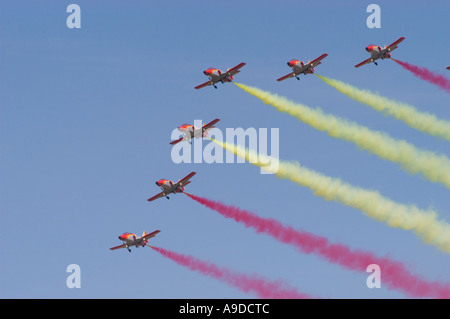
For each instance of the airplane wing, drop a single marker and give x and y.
(185, 180)
(118, 247)
(393, 46)
(203, 85)
(210, 124)
(369, 60)
(316, 62)
(156, 197)
(235, 69)
(152, 234)
(176, 141)
(287, 76)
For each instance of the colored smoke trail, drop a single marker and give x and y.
(394, 274)
(247, 283)
(425, 74)
(435, 167)
(408, 217)
(422, 121)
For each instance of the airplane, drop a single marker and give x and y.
(130, 240)
(191, 131)
(169, 187)
(216, 75)
(377, 52)
(298, 67)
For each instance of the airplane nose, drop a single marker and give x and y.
(157, 184)
(204, 72)
(289, 63)
(367, 49)
(120, 237)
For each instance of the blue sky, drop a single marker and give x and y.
(86, 117)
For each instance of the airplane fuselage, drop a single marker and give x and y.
(378, 53)
(191, 131)
(130, 240)
(196, 132)
(298, 67)
(167, 186)
(216, 75)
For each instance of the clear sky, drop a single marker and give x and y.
(86, 117)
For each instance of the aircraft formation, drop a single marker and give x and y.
(190, 132)
(215, 76)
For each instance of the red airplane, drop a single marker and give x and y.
(130, 240)
(215, 76)
(169, 187)
(191, 131)
(377, 52)
(298, 67)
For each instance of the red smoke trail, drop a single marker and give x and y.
(247, 283)
(393, 274)
(426, 75)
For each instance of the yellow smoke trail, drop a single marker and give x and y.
(408, 217)
(422, 121)
(435, 167)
